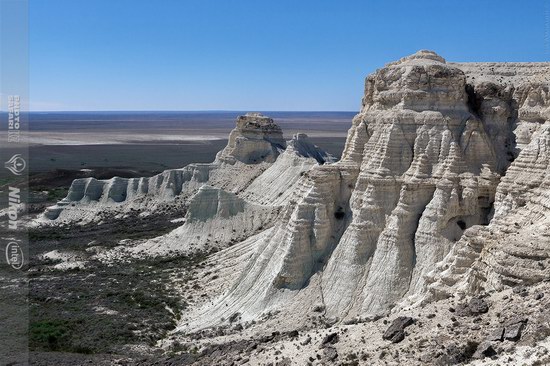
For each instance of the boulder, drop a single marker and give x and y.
(330, 354)
(396, 331)
(513, 329)
(329, 339)
(485, 349)
(478, 306)
(496, 334)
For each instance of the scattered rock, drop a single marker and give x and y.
(485, 349)
(331, 338)
(284, 362)
(478, 306)
(463, 310)
(496, 335)
(330, 353)
(521, 291)
(396, 331)
(512, 331)
(234, 317)
(318, 308)
(293, 334)
(457, 354)
(269, 338)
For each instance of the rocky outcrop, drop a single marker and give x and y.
(396, 331)
(515, 247)
(431, 159)
(255, 139)
(443, 189)
(254, 145)
(277, 185)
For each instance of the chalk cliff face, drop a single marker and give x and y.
(255, 139)
(515, 247)
(443, 188)
(254, 145)
(438, 152)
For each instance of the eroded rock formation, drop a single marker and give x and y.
(443, 188)
(254, 145)
(438, 151)
(255, 139)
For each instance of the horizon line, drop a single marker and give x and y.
(187, 111)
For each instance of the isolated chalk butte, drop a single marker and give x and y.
(419, 174)
(253, 146)
(255, 139)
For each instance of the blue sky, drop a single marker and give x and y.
(256, 54)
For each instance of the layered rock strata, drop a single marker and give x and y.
(419, 178)
(255, 139)
(254, 145)
(443, 188)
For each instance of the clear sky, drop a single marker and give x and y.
(256, 54)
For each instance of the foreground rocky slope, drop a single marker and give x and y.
(440, 203)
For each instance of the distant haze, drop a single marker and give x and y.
(154, 141)
(181, 124)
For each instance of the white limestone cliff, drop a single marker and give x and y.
(254, 145)
(419, 180)
(443, 188)
(279, 182)
(515, 247)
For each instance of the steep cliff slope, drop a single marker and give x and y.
(438, 211)
(438, 151)
(253, 146)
